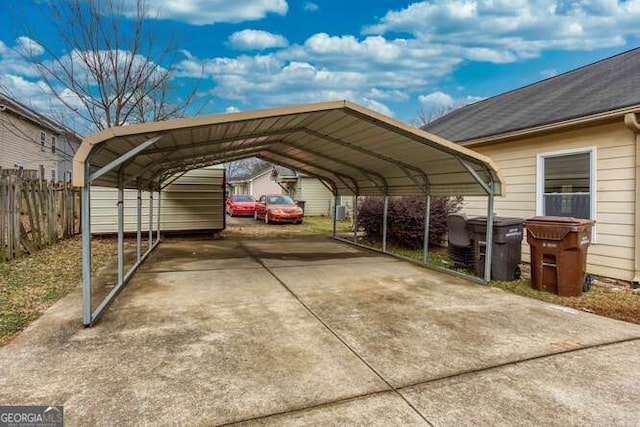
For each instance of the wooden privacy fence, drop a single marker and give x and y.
(35, 212)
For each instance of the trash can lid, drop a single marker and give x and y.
(497, 221)
(564, 220)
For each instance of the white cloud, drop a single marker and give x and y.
(437, 98)
(29, 46)
(508, 30)
(310, 7)
(550, 72)
(256, 39)
(441, 99)
(232, 109)
(203, 12)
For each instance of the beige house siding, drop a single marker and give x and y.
(195, 201)
(263, 184)
(20, 147)
(318, 199)
(612, 253)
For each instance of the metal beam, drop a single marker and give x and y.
(475, 175)
(355, 218)
(332, 187)
(404, 167)
(230, 139)
(335, 213)
(488, 252)
(427, 215)
(120, 230)
(166, 162)
(139, 224)
(367, 173)
(125, 157)
(385, 212)
(340, 176)
(86, 245)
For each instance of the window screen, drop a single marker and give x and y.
(567, 185)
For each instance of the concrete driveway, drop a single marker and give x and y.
(315, 332)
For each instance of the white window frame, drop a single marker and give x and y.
(593, 180)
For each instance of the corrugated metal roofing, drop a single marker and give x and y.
(352, 148)
(607, 85)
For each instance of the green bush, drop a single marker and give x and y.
(406, 219)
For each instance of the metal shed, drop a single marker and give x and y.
(353, 150)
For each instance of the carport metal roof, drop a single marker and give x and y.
(351, 148)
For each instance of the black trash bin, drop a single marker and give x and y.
(300, 204)
(506, 249)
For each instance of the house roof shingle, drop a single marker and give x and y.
(606, 85)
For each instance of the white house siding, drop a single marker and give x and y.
(612, 255)
(318, 199)
(193, 202)
(263, 184)
(20, 147)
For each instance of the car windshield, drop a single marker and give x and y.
(279, 200)
(242, 199)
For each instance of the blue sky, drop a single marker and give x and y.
(392, 56)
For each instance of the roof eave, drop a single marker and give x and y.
(607, 115)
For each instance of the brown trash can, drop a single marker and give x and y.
(559, 253)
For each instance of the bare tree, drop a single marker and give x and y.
(239, 169)
(425, 117)
(113, 70)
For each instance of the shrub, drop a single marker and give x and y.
(406, 219)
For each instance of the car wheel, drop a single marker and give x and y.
(266, 217)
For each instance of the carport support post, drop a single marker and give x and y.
(385, 211)
(335, 212)
(139, 225)
(159, 209)
(489, 237)
(427, 215)
(86, 246)
(120, 230)
(355, 218)
(150, 218)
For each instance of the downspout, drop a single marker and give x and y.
(631, 122)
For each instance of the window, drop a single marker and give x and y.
(53, 175)
(53, 144)
(43, 137)
(566, 183)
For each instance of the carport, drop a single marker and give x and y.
(354, 151)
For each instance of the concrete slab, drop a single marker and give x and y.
(288, 253)
(382, 409)
(413, 324)
(195, 340)
(179, 347)
(588, 387)
(186, 255)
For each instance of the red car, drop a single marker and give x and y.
(278, 208)
(241, 205)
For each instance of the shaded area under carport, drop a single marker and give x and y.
(215, 331)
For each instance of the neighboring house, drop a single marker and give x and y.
(280, 180)
(567, 146)
(29, 140)
(256, 185)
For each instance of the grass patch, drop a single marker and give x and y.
(31, 284)
(243, 228)
(617, 303)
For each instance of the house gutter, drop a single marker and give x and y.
(631, 122)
